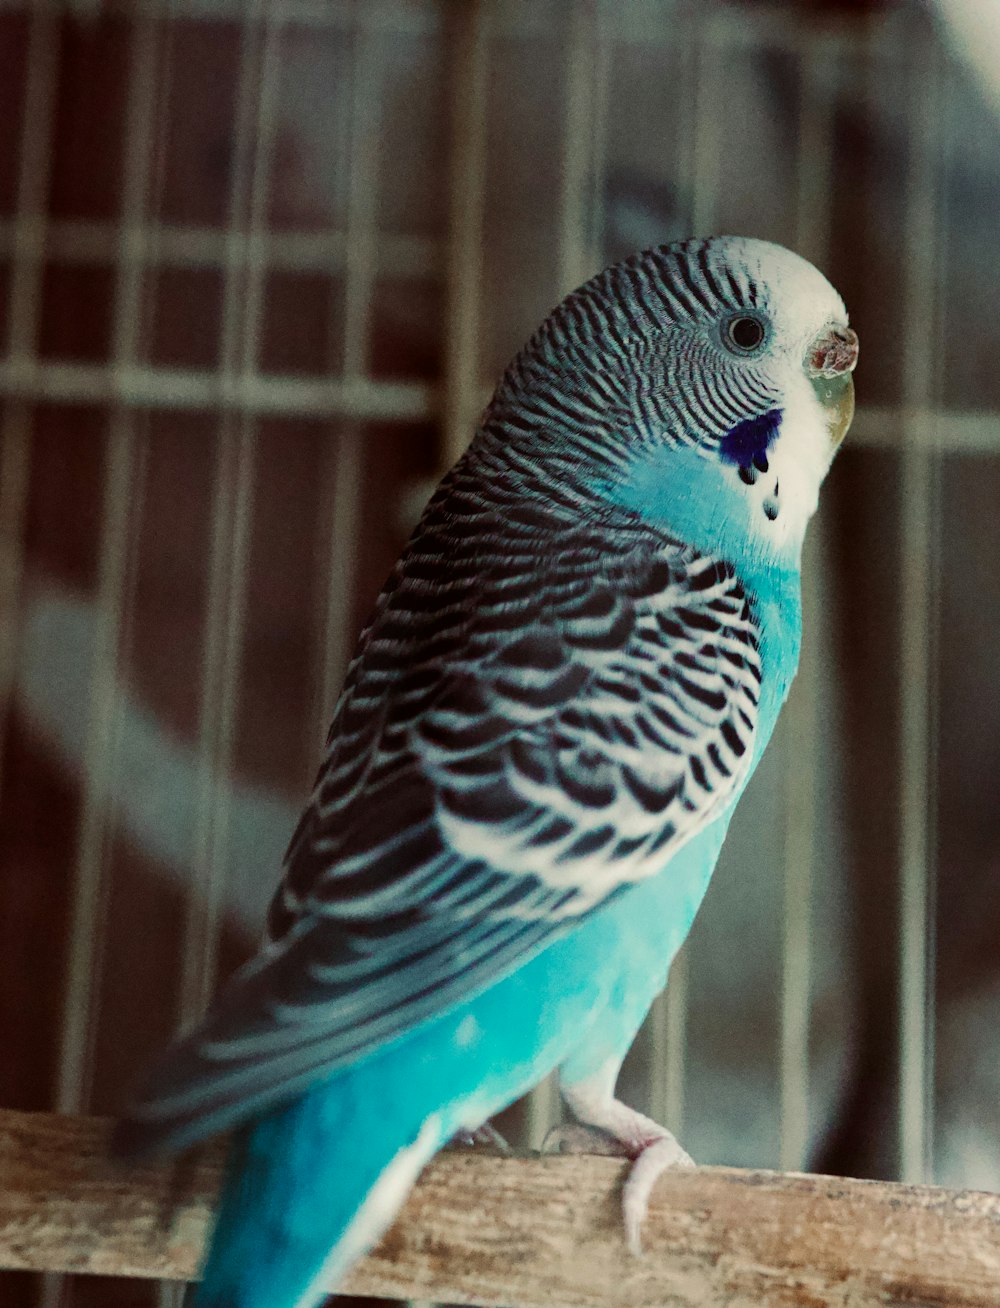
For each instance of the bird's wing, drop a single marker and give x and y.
(523, 734)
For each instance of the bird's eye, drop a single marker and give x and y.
(744, 333)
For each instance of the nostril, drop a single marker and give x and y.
(833, 352)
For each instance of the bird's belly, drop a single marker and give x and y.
(575, 1005)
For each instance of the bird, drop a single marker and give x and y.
(565, 685)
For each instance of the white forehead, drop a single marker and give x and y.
(796, 295)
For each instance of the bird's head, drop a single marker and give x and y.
(705, 385)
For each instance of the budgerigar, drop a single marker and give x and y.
(566, 682)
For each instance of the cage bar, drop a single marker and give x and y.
(121, 520)
(342, 473)
(90, 881)
(361, 251)
(83, 241)
(26, 239)
(261, 153)
(345, 461)
(814, 165)
(140, 161)
(580, 167)
(190, 390)
(232, 515)
(184, 390)
(920, 526)
(15, 471)
(121, 517)
(469, 75)
(26, 233)
(29, 229)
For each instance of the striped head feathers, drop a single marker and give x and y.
(705, 385)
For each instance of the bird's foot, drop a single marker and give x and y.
(659, 1154)
(487, 1135)
(616, 1129)
(575, 1138)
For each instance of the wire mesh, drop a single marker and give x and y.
(548, 149)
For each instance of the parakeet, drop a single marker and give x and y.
(558, 700)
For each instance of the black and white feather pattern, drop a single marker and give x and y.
(551, 697)
(543, 708)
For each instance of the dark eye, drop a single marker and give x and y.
(745, 333)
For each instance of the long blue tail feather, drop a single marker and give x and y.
(299, 1184)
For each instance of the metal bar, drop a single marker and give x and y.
(231, 522)
(121, 518)
(973, 433)
(27, 231)
(600, 102)
(120, 526)
(469, 76)
(181, 389)
(576, 191)
(78, 241)
(398, 19)
(15, 475)
(140, 248)
(260, 177)
(231, 516)
(26, 234)
(235, 264)
(344, 467)
(800, 722)
(667, 1033)
(30, 223)
(87, 931)
(919, 527)
(814, 178)
(950, 432)
(638, 23)
(89, 880)
(706, 128)
(139, 162)
(361, 250)
(336, 636)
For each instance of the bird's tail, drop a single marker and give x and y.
(308, 1189)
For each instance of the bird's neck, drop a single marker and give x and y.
(693, 498)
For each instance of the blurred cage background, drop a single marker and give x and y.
(259, 263)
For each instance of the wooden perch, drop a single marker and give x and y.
(485, 1229)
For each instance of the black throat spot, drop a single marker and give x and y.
(748, 442)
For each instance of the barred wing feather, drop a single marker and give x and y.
(535, 720)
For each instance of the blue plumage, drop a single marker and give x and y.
(565, 686)
(298, 1178)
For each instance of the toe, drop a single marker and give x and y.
(658, 1156)
(572, 1138)
(483, 1136)
(488, 1135)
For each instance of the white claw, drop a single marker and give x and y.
(658, 1156)
(485, 1136)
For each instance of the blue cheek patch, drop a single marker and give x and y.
(749, 438)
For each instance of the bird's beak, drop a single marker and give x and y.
(830, 360)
